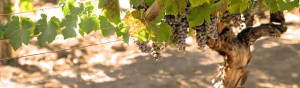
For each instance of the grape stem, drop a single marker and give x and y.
(236, 49)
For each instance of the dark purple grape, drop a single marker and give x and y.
(179, 26)
(143, 46)
(212, 27)
(201, 37)
(155, 51)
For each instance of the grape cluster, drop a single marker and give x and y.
(143, 46)
(180, 27)
(212, 27)
(201, 37)
(155, 51)
(182, 34)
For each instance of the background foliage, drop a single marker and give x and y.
(144, 24)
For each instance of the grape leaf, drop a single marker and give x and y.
(142, 35)
(199, 15)
(106, 27)
(2, 27)
(163, 32)
(48, 32)
(175, 7)
(136, 14)
(195, 3)
(26, 5)
(89, 23)
(66, 6)
(123, 32)
(40, 24)
(287, 4)
(149, 2)
(18, 31)
(111, 10)
(2, 30)
(69, 8)
(136, 26)
(219, 7)
(62, 2)
(135, 3)
(272, 5)
(88, 9)
(238, 6)
(126, 37)
(102, 3)
(76, 10)
(134, 22)
(69, 24)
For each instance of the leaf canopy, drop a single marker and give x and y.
(18, 31)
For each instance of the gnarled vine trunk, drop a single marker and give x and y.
(236, 49)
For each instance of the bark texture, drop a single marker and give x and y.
(236, 49)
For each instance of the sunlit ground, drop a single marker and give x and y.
(275, 64)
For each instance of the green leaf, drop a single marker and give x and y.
(55, 20)
(175, 7)
(2, 30)
(66, 6)
(143, 34)
(238, 6)
(219, 7)
(121, 31)
(89, 23)
(17, 31)
(88, 8)
(2, 26)
(48, 33)
(68, 32)
(195, 3)
(62, 2)
(106, 27)
(26, 5)
(40, 24)
(111, 10)
(76, 10)
(126, 37)
(163, 32)
(149, 2)
(69, 24)
(199, 15)
(287, 4)
(70, 8)
(135, 3)
(272, 5)
(102, 3)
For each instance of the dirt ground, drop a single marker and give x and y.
(275, 63)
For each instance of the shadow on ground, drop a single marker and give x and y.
(274, 64)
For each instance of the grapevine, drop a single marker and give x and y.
(159, 22)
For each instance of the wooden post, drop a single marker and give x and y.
(5, 49)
